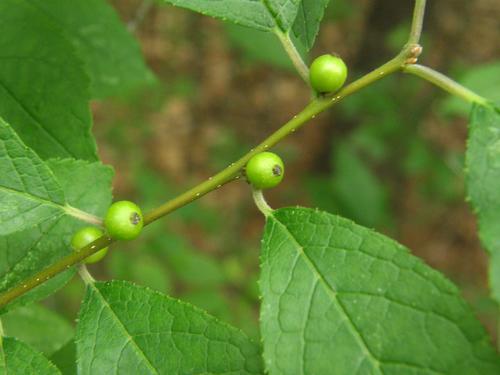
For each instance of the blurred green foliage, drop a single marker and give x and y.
(340, 10)
(65, 359)
(39, 327)
(258, 46)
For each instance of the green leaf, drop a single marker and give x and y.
(483, 79)
(87, 186)
(283, 11)
(482, 166)
(306, 25)
(39, 327)
(111, 54)
(294, 22)
(340, 296)
(39, 243)
(17, 358)
(256, 46)
(250, 13)
(194, 268)
(124, 328)
(65, 359)
(29, 191)
(357, 190)
(213, 301)
(141, 268)
(303, 16)
(43, 84)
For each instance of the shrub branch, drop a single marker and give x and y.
(403, 61)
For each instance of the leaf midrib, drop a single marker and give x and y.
(275, 16)
(333, 293)
(36, 121)
(31, 197)
(66, 209)
(138, 349)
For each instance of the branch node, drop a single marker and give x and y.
(416, 50)
(413, 52)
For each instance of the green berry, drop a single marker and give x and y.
(85, 236)
(327, 73)
(265, 170)
(124, 220)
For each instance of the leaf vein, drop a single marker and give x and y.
(138, 350)
(333, 294)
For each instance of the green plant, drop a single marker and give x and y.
(124, 220)
(336, 297)
(327, 74)
(85, 236)
(265, 170)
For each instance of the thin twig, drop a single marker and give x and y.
(445, 83)
(417, 22)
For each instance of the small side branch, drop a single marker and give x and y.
(417, 22)
(445, 83)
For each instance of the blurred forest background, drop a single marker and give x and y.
(389, 157)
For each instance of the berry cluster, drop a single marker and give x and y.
(123, 221)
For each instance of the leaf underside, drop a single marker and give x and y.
(250, 13)
(44, 89)
(306, 25)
